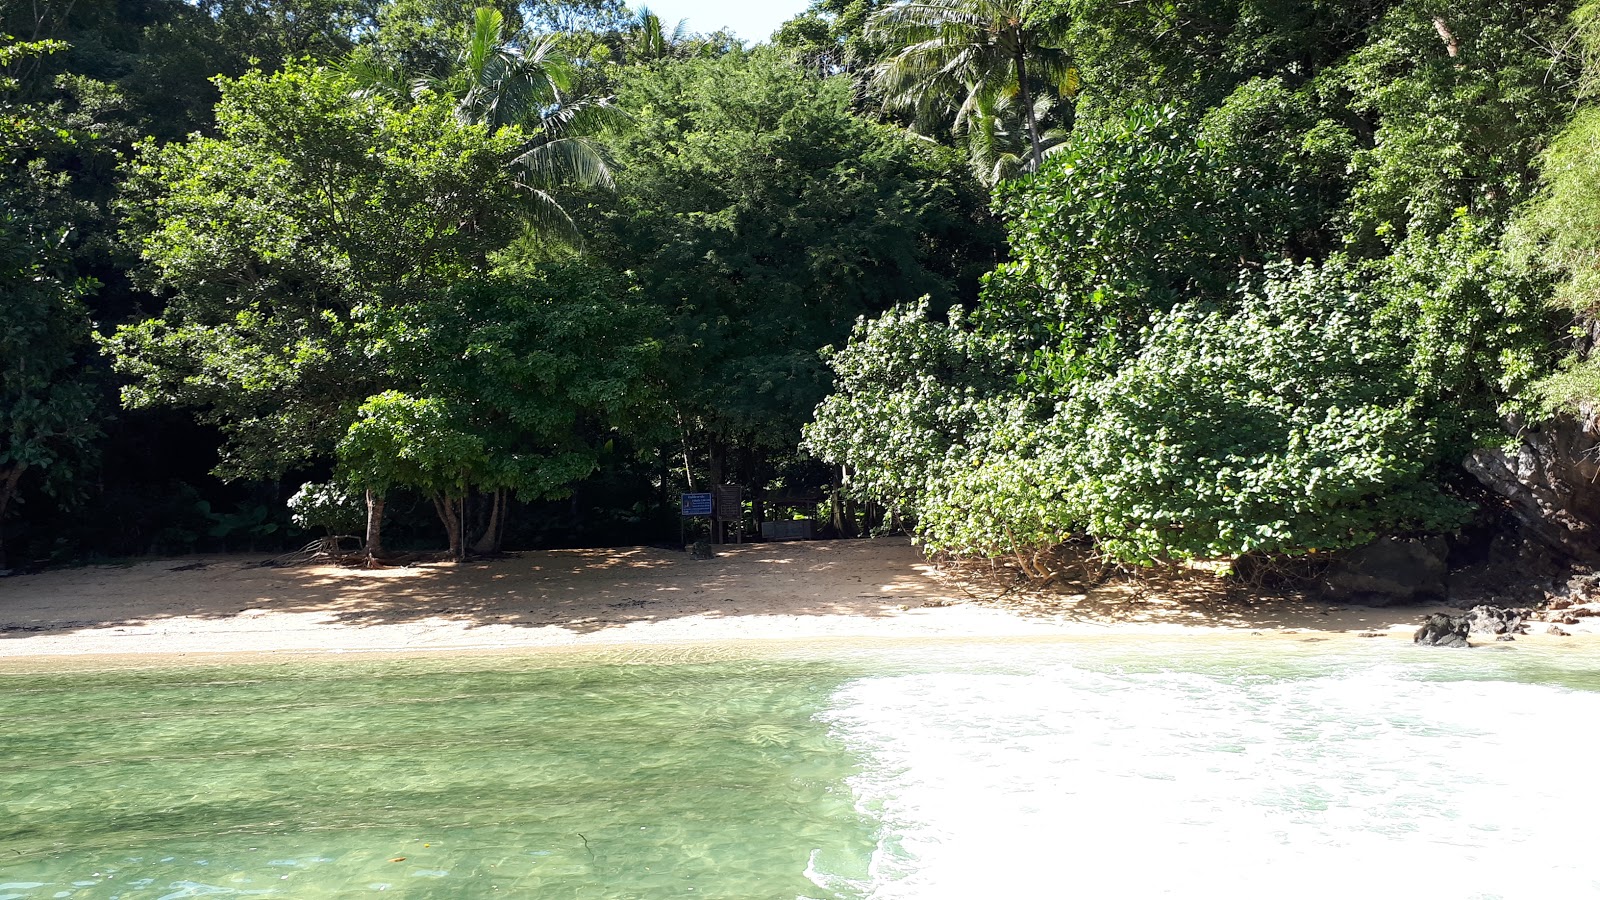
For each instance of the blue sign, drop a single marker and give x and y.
(696, 504)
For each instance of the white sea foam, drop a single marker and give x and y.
(1056, 780)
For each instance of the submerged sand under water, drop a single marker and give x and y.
(1128, 766)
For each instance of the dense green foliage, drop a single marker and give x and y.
(1271, 319)
(285, 240)
(48, 406)
(1198, 278)
(1562, 227)
(761, 217)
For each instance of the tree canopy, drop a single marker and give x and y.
(1191, 279)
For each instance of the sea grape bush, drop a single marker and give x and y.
(329, 507)
(1170, 411)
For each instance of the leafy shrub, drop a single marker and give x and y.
(334, 508)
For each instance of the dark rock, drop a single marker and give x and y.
(1583, 586)
(1444, 631)
(1504, 637)
(1390, 572)
(1567, 620)
(1552, 480)
(1560, 602)
(1558, 631)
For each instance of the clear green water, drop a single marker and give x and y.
(492, 778)
(1176, 768)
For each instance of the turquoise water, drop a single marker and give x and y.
(1168, 768)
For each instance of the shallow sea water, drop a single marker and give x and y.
(1181, 767)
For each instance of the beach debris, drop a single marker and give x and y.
(398, 859)
(1441, 630)
(1370, 634)
(1558, 631)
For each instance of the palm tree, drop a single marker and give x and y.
(647, 39)
(499, 80)
(994, 131)
(950, 55)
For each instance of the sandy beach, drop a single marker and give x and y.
(872, 589)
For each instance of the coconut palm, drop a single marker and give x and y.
(647, 39)
(995, 133)
(499, 80)
(947, 55)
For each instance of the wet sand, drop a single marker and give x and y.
(879, 589)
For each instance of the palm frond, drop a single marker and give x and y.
(948, 55)
(577, 161)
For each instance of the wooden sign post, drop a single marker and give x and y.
(729, 510)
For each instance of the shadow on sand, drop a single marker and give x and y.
(587, 591)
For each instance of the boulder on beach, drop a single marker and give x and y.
(1389, 572)
(1499, 620)
(1444, 631)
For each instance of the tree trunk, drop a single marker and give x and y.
(449, 510)
(8, 489)
(688, 466)
(718, 453)
(1035, 143)
(490, 541)
(375, 503)
(1451, 45)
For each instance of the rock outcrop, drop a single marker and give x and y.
(1444, 631)
(1551, 481)
(1390, 572)
(1499, 621)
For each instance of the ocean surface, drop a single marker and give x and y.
(1242, 767)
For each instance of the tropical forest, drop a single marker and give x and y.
(1249, 281)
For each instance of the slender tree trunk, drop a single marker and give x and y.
(1026, 95)
(500, 521)
(449, 510)
(490, 542)
(375, 503)
(688, 467)
(8, 489)
(843, 509)
(718, 453)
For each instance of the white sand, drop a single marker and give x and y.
(873, 589)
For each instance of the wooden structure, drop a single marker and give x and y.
(728, 510)
(724, 506)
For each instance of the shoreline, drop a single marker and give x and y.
(230, 609)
